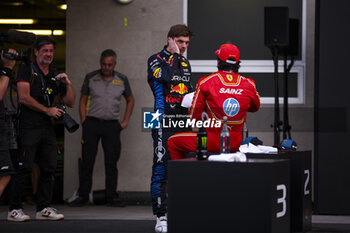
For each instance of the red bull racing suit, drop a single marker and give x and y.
(219, 94)
(169, 76)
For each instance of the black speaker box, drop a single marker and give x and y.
(293, 48)
(276, 26)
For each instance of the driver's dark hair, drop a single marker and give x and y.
(180, 30)
(227, 66)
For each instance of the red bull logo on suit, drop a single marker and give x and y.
(180, 88)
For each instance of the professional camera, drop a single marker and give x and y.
(69, 123)
(22, 55)
(13, 36)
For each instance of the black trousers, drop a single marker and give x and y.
(94, 130)
(39, 145)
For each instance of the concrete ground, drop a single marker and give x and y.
(129, 219)
(135, 212)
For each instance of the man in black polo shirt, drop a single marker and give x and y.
(99, 115)
(38, 84)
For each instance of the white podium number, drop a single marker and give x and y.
(307, 180)
(282, 200)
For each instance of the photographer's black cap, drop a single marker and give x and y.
(43, 40)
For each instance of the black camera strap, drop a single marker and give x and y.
(35, 70)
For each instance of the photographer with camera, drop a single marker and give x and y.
(6, 168)
(38, 84)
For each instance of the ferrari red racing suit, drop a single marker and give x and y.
(220, 94)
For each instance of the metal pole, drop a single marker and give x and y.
(277, 111)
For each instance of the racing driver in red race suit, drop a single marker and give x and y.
(223, 93)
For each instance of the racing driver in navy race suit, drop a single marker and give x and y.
(169, 76)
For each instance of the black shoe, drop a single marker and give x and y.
(79, 202)
(116, 202)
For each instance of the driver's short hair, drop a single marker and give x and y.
(180, 30)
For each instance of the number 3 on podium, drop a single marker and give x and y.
(282, 200)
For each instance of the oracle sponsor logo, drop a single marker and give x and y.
(180, 78)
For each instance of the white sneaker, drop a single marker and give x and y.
(17, 216)
(162, 225)
(49, 213)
